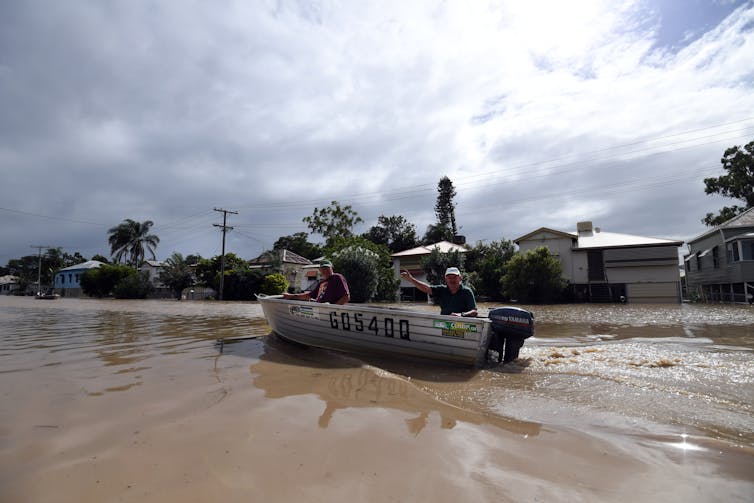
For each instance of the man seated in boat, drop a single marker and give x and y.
(332, 288)
(454, 298)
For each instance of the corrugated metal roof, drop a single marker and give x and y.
(442, 246)
(89, 264)
(615, 240)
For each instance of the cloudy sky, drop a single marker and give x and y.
(542, 113)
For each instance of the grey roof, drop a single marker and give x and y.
(285, 256)
(744, 220)
(89, 264)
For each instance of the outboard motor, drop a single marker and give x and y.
(510, 326)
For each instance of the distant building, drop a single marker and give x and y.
(9, 285)
(67, 280)
(720, 263)
(610, 267)
(411, 261)
(300, 272)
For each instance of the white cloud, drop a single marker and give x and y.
(542, 113)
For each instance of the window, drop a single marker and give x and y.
(715, 257)
(732, 252)
(62, 279)
(747, 249)
(698, 263)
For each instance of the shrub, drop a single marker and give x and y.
(274, 284)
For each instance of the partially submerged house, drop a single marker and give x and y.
(610, 267)
(720, 263)
(411, 260)
(68, 280)
(10, 285)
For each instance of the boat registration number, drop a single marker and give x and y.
(387, 327)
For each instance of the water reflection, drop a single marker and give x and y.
(342, 382)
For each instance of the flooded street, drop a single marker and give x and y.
(108, 400)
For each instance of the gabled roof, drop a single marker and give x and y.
(744, 220)
(285, 256)
(595, 238)
(546, 229)
(89, 264)
(442, 246)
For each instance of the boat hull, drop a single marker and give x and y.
(376, 330)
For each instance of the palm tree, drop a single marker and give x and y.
(130, 240)
(119, 239)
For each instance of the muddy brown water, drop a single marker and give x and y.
(107, 400)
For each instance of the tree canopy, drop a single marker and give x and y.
(395, 232)
(738, 183)
(333, 221)
(130, 241)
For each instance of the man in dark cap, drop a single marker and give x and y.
(332, 288)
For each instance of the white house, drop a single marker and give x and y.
(608, 267)
(411, 260)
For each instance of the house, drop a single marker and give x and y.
(153, 269)
(300, 272)
(610, 267)
(67, 280)
(411, 260)
(9, 285)
(720, 263)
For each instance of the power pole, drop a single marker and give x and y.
(225, 229)
(39, 270)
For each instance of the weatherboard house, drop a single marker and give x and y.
(609, 267)
(68, 280)
(720, 263)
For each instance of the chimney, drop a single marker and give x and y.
(583, 227)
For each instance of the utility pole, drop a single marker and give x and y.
(39, 270)
(225, 229)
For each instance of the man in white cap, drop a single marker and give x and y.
(454, 298)
(332, 288)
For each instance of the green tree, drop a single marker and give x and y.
(534, 277)
(274, 284)
(738, 183)
(359, 266)
(333, 222)
(101, 258)
(378, 258)
(488, 265)
(437, 262)
(134, 286)
(130, 241)
(26, 269)
(177, 274)
(208, 270)
(436, 233)
(101, 281)
(395, 232)
(299, 243)
(445, 229)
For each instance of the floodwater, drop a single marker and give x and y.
(106, 400)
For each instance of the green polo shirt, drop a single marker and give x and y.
(460, 302)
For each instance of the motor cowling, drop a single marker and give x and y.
(510, 327)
